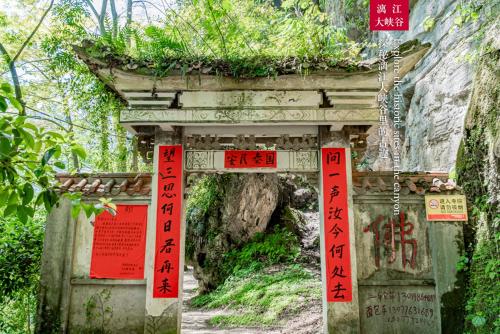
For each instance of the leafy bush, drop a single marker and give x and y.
(281, 246)
(21, 245)
(235, 38)
(483, 308)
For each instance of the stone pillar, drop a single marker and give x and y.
(53, 298)
(163, 315)
(339, 317)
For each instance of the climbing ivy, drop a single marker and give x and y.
(482, 261)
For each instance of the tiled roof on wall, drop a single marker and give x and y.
(410, 183)
(111, 184)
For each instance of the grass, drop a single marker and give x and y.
(263, 299)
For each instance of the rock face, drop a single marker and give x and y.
(243, 208)
(437, 92)
(250, 200)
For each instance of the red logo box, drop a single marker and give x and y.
(389, 15)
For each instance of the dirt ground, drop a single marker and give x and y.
(195, 321)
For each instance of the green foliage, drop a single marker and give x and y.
(21, 245)
(481, 264)
(263, 298)
(484, 288)
(467, 11)
(28, 158)
(203, 196)
(237, 38)
(281, 246)
(17, 313)
(429, 23)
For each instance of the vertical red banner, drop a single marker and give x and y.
(389, 15)
(119, 244)
(168, 222)
(336, 225)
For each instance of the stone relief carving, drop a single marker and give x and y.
(305, 160)
(287, 143)
(369, 116)
(243, 142)
(206, 142)
(199, 160)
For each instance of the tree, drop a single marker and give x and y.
(11, 61)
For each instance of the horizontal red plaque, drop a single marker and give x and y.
(336, 225)
(119, 243)
(168, 222)
(250, 159)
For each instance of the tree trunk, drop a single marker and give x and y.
(336, 11)
(104, 143)
(121, 147)
(135, 155)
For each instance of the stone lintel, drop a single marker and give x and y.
(287, 161)
(273, 116)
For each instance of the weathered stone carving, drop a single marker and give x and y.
(244, 143)
(361, 116)
(206, 142)
(199, 160)
(306, 142)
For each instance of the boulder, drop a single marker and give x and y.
(242, 207)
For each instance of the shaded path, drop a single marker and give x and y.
(195, 321)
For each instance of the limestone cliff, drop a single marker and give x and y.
(437, 92)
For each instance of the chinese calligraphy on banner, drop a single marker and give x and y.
(119, 243)
(336, 225)
(250, 159)
(168, 222)
(389, 14)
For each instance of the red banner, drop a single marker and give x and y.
(336, 225)
(389, 14)
(250, 159)
(119, 243)
(168, 222)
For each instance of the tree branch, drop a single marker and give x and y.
(114, 17)
(33, 32)
(15, 78)
(92, 8)
(102, 27)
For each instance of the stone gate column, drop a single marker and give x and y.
(338, 316)
(163, 314)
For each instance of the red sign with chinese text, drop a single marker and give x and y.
(336, 225)
(168, 222)
(389, 14)
(119, 244)
(250, 159)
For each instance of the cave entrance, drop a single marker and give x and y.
(252, 248)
